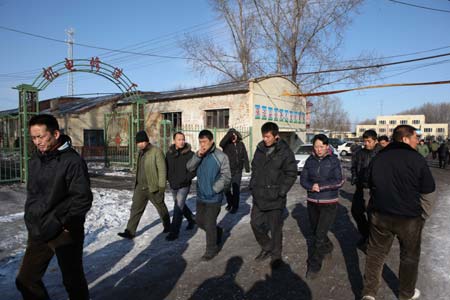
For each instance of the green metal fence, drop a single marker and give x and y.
(191, 133)
(10, 149)
(119, 147)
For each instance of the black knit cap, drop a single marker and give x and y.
(141, 136)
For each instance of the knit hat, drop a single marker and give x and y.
(141, 136)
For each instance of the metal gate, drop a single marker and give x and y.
(10, 149)
(118, 133)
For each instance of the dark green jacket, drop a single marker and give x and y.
(154, 167)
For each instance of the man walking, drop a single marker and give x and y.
(360, 178)
(422, 148)
(434, 149)
(274, 171)
(234, 148)
(180, 183)
(383, 140)
(150, 185)
(443, 155)
(400, 178)
(213, 177)
(58, 198)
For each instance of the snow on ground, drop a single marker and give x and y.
(100, 169)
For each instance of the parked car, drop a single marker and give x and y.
(335, 142)
(304, 151)
(346, 148)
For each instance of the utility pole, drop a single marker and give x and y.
(70, 32)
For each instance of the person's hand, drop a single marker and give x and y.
(201, 152)
(315, 188)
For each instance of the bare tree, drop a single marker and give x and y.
(327, 113)
(368, 121)
(434, 112)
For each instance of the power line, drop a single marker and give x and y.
(419, 6)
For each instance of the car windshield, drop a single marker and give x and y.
(304, 150)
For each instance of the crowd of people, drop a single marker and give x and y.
(392, 199)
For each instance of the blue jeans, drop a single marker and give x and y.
(180, 208)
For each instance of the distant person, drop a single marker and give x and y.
(443, 155)
(383, 140)
(234, 148)
(423, 149)
(213, 178)
(180, 179)
(434, 149)
(400, 179)
(322, 179)
(58, 199)
(150, 184)
(274, 171)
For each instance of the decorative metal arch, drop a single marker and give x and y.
(29, 103)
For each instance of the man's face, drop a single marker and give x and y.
(43, 139)
(412, 140)
(179, 141)
(269, 139)
(384, 143)
(370, 143)
(422, 142)
(320, 148)
(205, 144)
(142, 145)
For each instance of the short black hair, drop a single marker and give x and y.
(270, 127)
(44, 119)
(402, 131)
(383, 138)
(178, 132)
(205, 133)
(321, 137)
(370, 134)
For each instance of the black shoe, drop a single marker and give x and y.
(263, 255)
(171, 236)
(126, 234)
(276, 263)
(166, 229)
(190, 225)
(228, 207)
(208, 256)
(219, 235)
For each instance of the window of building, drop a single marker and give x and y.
(362, 130)
(217, 118)
(174, 118)
(391, 129)
(428, 130)
(382, 122)
(440, 130)
(93, 137)
(416, 121)
(403, 122)
(392, 122)
(382, 130)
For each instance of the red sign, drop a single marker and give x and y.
(95, 63)
(69, 64)
(131, 86)
(49, 74)
(117, 73)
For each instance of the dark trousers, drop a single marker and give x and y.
(139, 203)
(37, 257)
(434, 153)
(233, 194)
(359, 211)
(262, 223)
(206, 219)
(443, 161)
(383, 230)
(180, 209)
(321, 217)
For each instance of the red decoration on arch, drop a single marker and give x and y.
(69, 64)
(95, 63)
(117, 73)
(49, 74)
(131, 86)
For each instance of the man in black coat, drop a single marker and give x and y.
(360, 178)
(234, 148)
(58, 198)
(443, 155)
(274, 171)
(180, 183)
(399, 179)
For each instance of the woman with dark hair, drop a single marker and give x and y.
(322, 178)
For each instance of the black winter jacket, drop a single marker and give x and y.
(177, 173)
(58, 193)
(237, 154)
(272, 175)
(360, 165)
(443, 150)
(327, 173)
(399, 174)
